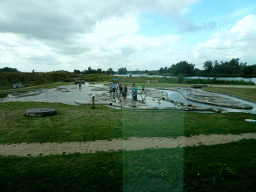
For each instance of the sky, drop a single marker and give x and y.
(51, 35)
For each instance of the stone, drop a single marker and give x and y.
(41, 112)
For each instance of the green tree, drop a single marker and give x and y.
(110, 71)
(99, 70)
(183, 67)
(77, 71)
(122, 70)
(165, 70)
(8, 69)
(208, 66)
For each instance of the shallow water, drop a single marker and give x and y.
(62, 97)
(49, 95)
(178, 97)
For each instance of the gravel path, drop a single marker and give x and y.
(36, 149)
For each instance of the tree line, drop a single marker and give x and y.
(216, 68)
(7, 79)
(182, 68)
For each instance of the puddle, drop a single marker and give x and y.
(178, 97)
(60, 96)
(72, 95)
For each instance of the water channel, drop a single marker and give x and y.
(68, 94)
(197, 77)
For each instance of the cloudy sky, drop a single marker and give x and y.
(137, 34)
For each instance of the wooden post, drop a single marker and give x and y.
(93, 106)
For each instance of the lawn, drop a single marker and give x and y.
(82, 123)
(248, 93)
(224, 167)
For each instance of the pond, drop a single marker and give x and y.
(51, 95)
(178, 97)
(68, 94)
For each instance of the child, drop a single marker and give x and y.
(124, 93)
(143, 88)
(134, 95)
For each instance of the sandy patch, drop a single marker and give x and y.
(35, 149)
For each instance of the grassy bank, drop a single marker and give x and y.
(247, 93)
(75, 172)
(4, 93)
(82, 123)
(223, 167)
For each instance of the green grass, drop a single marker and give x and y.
(74, 172)
(223, 167)
(82, 123)
(248, 93)
(71, 123)
(4, 93)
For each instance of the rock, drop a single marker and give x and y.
(41, 112)
(62, 89)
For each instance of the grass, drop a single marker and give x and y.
(223, 167)
(74, 172)
(247, 93)
(82, 123)
(4, 93)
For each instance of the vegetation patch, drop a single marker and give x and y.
(247, 93)
(82, 123)
(223, 167)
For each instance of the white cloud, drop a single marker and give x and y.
(245, 26)
(101, 33)
(109, 29)
(238, 42)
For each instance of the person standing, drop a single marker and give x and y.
(117, 87)
(124, 93)
(143, 88)
(134, 95)
(113, 89)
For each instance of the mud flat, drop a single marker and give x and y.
(24, 94)
(152, 100)
(214, 99)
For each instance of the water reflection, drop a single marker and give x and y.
(152, 98)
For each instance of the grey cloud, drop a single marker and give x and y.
(73, 49)
(44, 60)
(187, 25)
(127, 51)
(43, 22)
(249, 38)
(209, 26)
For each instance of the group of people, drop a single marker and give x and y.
(114, 87)
(123, 91)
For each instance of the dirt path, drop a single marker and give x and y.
(35, 149)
